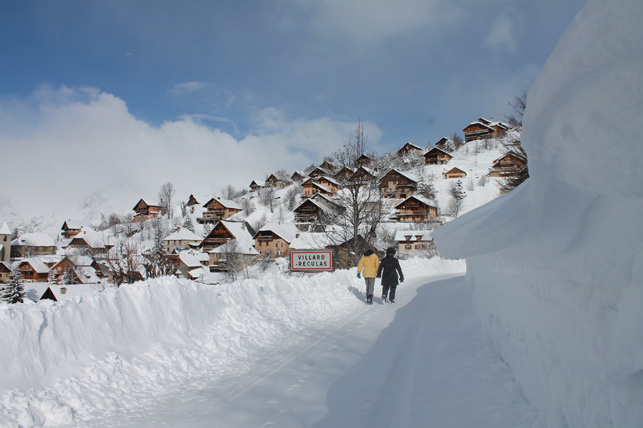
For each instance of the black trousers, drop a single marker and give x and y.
(389, 290)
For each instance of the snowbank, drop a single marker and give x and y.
(557, 265)
(85, 356)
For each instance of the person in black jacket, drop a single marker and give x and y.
(388, 271)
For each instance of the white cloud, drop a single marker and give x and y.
(64, 145)
(502, 34)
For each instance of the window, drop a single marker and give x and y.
(408, 247)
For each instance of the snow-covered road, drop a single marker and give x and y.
(421, 361)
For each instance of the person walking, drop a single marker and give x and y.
(369, 263)
(388, 271)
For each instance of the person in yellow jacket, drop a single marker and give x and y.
(369, 263)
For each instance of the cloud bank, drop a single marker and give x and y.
(64, 144)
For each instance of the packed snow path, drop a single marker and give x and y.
(420, 361)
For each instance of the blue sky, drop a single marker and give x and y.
(289, 76)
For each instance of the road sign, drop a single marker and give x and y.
(311, 261)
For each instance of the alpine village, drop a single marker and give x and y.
(353, 201)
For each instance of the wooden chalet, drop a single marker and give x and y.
(33, 270)
(396, 184)
(72, 228)
(363, 175)
(508, 164)
(225, 231)
(274, 239)
(414, 241)
(444, 143)
(256, 184)
(313, 186)
(182, 239)
(145, 211)
(483, 129)
(218, 209)
(297, 176)
(320, 172)
(410, 148)
(415, 208)
(314, 210)
(192, 201)
(437, 156)
(365, 160)
(273, 181)
(89, 242)
(344, 174)
(455, 173)
(328, 166)
(5, 271)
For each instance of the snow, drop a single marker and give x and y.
(183, 234)
(34, 240)
(288, 351)
(4, 230)
(557, 265)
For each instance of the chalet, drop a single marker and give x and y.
(40, 291)
(191, 263)
(363, 175)
(192, 201)
(396, 184)
(315, 209)
(273, 181)
(72, 228)
(181, 239)
(89, 242)
(297, 176)
(5, 271)
(226, 231)
(311, 186)
(328, 166)
(483, 129)
(508, 164)
(344, 174)
(80, 269)
(218, 209)
(228, 236)
(410, 148)
(455, 173)
(329, 183)
(33, 270)
(413, 241)
(32, 244)
(145, 211)
(415, 208)
(5, 243)
(437, 156)
(319, 172)
(365, 160)
(256, 184)
(445, 144)
(274, 239)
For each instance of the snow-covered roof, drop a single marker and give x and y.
(311, 241)
(286, 231)
(91, 237)
(423, 235)
(329, 180)
(34, 240)
(183, 234)
(190, 259)
(75, 224)
(227, 203)
(419, 198)
(403, 174)
(35, 290)
(4, 230)
(37, 264)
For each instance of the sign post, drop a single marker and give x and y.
(311, 261)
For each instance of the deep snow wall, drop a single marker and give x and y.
(557, 264)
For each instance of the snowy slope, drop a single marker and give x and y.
(557, 265)
(284, 351)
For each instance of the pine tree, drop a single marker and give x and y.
(14, 292)
(187, 224)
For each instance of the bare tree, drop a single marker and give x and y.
(124, 261)
(518, 105)
(166, 194)
(267, 197)
(360, 201)
(457, 141)
(457, 196)
(229, 192)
